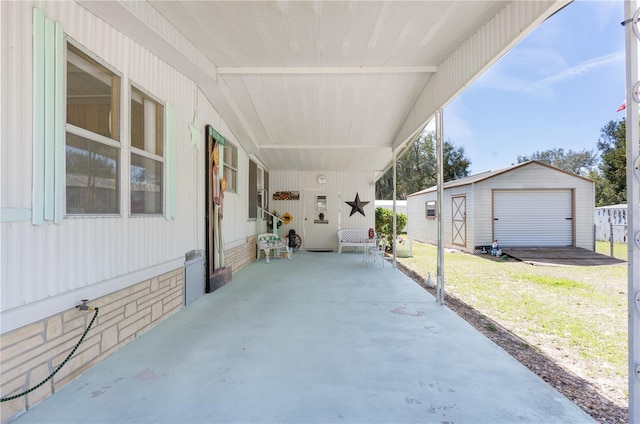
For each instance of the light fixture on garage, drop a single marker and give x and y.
(321, 179)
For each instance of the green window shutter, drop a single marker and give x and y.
(48, 120)
(170, 162)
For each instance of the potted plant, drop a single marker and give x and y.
(403, 247)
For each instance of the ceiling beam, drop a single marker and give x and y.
(259, 70)
(322, 146)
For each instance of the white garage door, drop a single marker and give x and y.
(533, 217)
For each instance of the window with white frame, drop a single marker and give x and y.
(147, 154)
(255, 177)
(92, 136)
(231, 167)
(430, 209)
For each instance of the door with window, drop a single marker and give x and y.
(321, 211)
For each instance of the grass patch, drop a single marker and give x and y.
(576, 312)
(619, 249)
(553, 282)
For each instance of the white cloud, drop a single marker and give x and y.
(511, 77)
(583, 68)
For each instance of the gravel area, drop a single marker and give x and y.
(575, 388)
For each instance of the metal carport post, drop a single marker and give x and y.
(632, 41)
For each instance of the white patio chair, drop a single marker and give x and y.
(270, 241)
(376, 252)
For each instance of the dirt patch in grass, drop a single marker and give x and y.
(577, 389)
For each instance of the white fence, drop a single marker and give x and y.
(611, 223)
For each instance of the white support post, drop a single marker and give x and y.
(632, 40)
(395, 236)
(439, 197)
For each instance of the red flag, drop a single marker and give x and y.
(623, 106)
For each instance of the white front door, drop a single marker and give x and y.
(321, 211)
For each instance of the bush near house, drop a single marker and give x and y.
(384, 223)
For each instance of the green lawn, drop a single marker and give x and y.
(575, 313)
(619, 249)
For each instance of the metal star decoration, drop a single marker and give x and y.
(357, 205)
(194, 128)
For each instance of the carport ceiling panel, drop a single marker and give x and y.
(317, 109)
(290, 108)
(254, 33)
(244, 33)
(268, 99)
(393, 99)
(238, 95)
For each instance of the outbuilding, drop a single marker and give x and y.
(528, 204)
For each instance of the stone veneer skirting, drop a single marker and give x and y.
(241, 256)
(30, 354)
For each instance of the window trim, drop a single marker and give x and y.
(95, 137)
(427, 209)
(253, 177)
(233, 169)
(132, 150)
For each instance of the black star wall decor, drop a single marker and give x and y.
(357, 205)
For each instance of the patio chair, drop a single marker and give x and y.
(271, 241)
(376, 252)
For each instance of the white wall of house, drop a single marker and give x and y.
(50, 267)
(347, 183)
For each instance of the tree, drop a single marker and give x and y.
(575, 162)
(416, 168)
(611, 182)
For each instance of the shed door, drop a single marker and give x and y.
(459, 221)
(533, 217)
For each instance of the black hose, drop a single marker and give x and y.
(95, 315)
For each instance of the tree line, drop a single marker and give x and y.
(606, 165)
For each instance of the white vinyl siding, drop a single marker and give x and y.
(533, 217)
(105, 254)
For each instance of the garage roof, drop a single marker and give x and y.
(471, 179)
(327, 85)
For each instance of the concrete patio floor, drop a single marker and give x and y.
(318, 339)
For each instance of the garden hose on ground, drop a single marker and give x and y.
(95, 315)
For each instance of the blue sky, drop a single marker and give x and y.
(557, 88)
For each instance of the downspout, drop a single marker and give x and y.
(439, 197)
(632, 38)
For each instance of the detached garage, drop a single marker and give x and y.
(529, 204)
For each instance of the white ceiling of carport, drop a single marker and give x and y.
(325, 85)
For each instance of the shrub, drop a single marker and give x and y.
(384, 223)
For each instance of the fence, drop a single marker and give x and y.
(613, 234)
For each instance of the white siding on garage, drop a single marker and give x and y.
(533, 217)
(576, 198)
